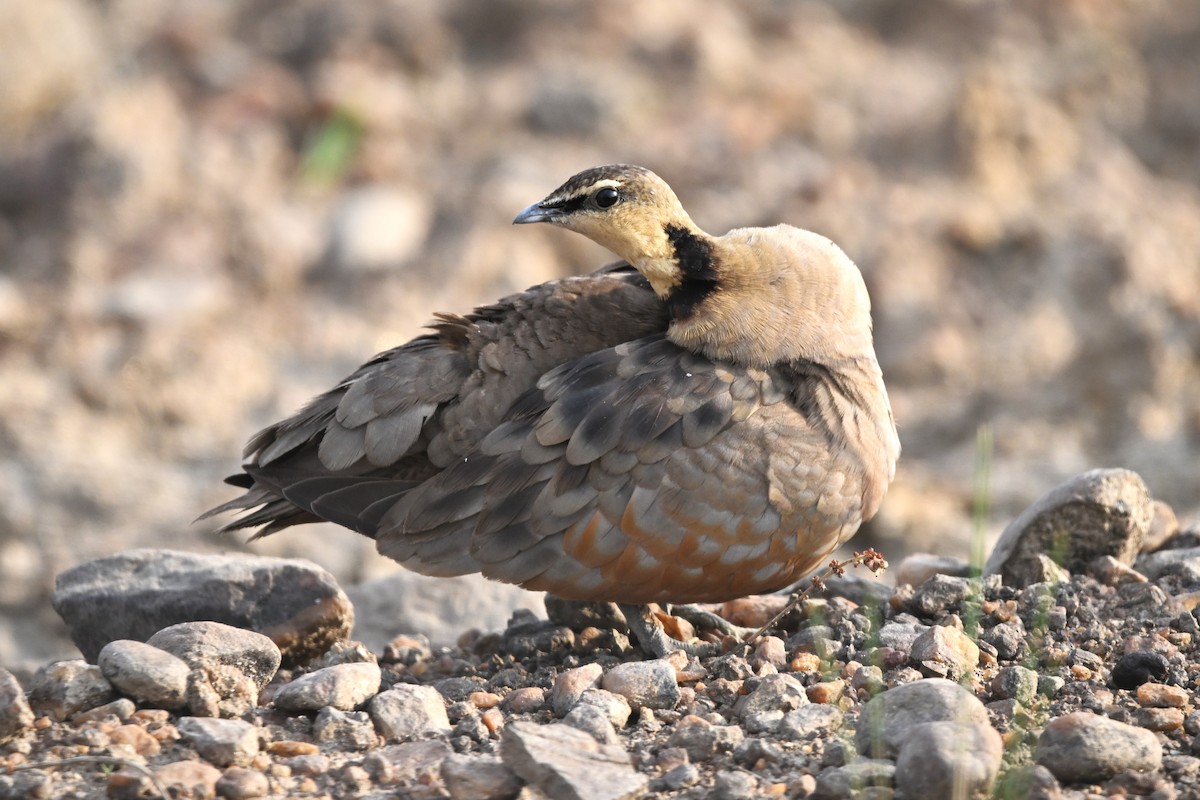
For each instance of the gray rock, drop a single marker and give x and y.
(1101, 512)
(616, 708)
(948, 759)
(702, 740)
(407, 712)
(65, 688)
(342, 686)
(122, 708)
(680, 777)
(809, 721)
(900, 634)
(479, 778)
(310, 764)
(917, 568)
(939, 594)
(411, 762)
(566, 763)
(203, 645)
(1017, 683)
(1088, 747)
(734, 785)
(134, 594)
(945, 652)
(15, 714)
(457, 689)
(771, 650)
(1050, 685)
(352, 730)
(867, 681)
(592, 720)
(149, 675)
(570, 685)
(1155, 565)
(775, 695)
(223, 742)
(887, 718)
(240, 783)
(1008, 638)
(229, 666)
(220, 691)
(854, 780)
(1032, 781)
(649, 684)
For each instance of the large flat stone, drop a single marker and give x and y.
(134, 594)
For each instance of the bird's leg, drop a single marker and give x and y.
(702, 618)
(654, 640)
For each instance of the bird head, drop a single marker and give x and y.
(626, 209)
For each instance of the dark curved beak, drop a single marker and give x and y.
(537, 213)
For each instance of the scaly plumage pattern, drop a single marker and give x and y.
(704, 421)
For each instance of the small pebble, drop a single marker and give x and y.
(288, 748)
(1016, 683)
(810, 721)
(137, 738)
(15, 714)
(182, 777)
(346, 730)
(615, 708)
(649, 684)
(484, 700)
(478, 778)
(1085, 747)
(944, 651)
(527, 700)
(122, 709)
(311, 764)
(65, 688)
(342, 686)
(805, 662)
(592, 720)
(240, 783)
(1159, 719)
(764, 708)
(1161, 695)
(147, 674)
(702, 740)
(407, 711)
(570, 685)
(734, 785)
(826, 691)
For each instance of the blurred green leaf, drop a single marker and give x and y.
(331, 149)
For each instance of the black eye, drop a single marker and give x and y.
(606, 197)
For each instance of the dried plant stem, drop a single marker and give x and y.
(870, 558)
(77, 760)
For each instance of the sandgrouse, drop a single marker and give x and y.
(703, 421)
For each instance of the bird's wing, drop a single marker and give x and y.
(643, 472)
(412, 410)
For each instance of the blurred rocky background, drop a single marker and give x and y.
(211, 210)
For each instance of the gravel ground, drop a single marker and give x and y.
(211, 211)
(1083, 684)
